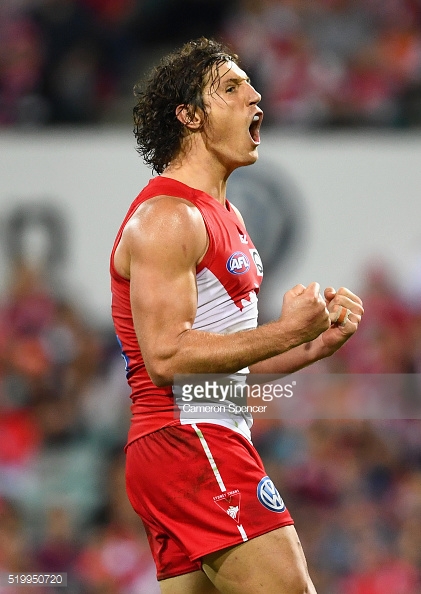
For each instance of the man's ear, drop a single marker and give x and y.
(185, 115)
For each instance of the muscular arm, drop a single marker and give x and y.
(164, 241)
(292, 360)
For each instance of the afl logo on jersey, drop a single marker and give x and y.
(269, 497)
(238, 263)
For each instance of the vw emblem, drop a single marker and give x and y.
(269, 497)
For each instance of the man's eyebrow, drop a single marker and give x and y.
(237, 80)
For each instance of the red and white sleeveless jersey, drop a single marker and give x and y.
(228, 280)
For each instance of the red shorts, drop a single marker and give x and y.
(199, 489)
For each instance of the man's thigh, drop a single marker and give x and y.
(273, 562)
(190, 583)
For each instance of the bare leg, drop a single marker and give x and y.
(273, 562)
(190, 583)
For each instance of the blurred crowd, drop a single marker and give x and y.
(352, 486)
(317, 63)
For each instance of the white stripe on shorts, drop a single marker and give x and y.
(210, 457)
(242, 532)
(216, 472)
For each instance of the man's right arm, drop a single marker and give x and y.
(163, 244)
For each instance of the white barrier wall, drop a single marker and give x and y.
(358, 199)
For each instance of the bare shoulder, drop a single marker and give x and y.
(163, 227)
(165, 218)
(162, 209)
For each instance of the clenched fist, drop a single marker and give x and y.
(304, 313)
(345, 312)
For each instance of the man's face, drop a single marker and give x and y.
(231, 132)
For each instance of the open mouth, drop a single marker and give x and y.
(254, 128)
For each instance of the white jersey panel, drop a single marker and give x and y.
(217, 312)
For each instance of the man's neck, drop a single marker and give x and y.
(200, 173)
(216, 189)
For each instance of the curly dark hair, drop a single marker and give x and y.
(179, 79)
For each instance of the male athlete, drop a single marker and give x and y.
(185, 277)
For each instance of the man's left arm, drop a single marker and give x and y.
(346, 310)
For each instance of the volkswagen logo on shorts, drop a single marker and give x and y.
(268, 495)
(238, 263)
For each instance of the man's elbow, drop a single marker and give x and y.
(160, 372)
(163, 362)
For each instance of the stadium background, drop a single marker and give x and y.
(339, 170)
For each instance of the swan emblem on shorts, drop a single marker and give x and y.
(232, 511)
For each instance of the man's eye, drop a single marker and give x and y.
(230, 89)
